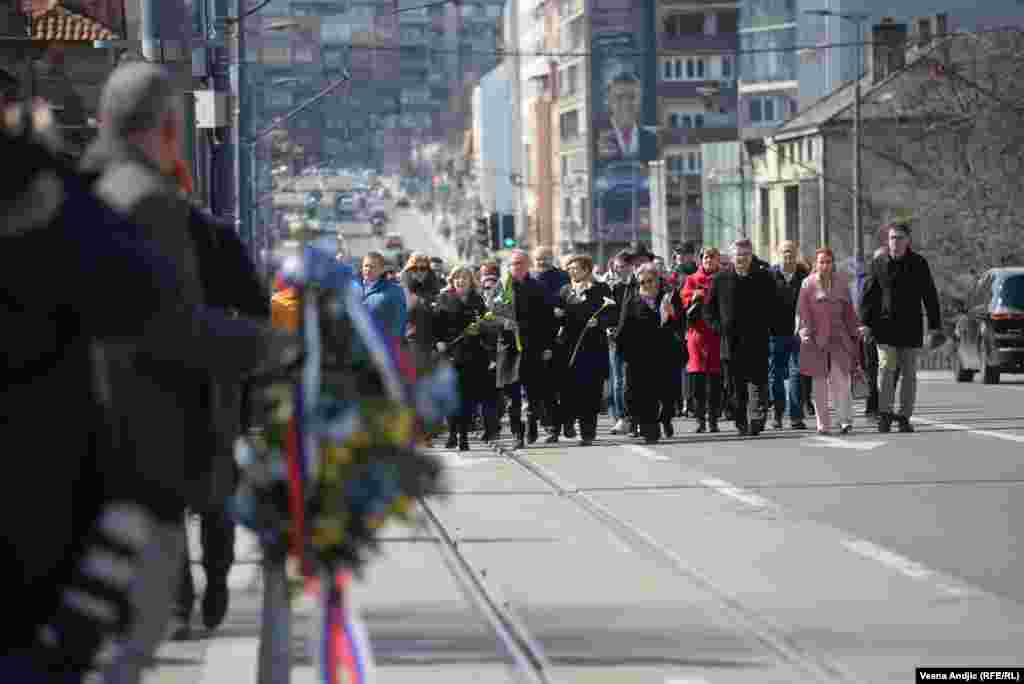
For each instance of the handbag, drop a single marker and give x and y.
(859, 384)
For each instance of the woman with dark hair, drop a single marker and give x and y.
(422, 288)
(585, 310)
(460, 333)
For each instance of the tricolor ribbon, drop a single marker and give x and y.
(345, 656)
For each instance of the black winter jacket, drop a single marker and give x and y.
(894, 293)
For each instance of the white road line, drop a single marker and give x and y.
(862, 547)
(839, 443)
(739, 494)
(964, 428)
(901, 564)
(645, 452)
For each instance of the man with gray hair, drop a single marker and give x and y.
(159, 409)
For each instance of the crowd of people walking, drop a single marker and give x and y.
(135, 322)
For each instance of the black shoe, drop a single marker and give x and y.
(585, 442)
(701, 427)
(666, 426)
(904, 424)
(809, 410)
(532, 432)
(885, 422)
(569, 430)
(215, 602)
(552, 438)
(453, 441)
(464, 443)
(845, 429)
(713, 426)
(756, 427)
(743, 430)
(777, 423)
(798, 425)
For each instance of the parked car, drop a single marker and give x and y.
(988, 335)
(393, 241)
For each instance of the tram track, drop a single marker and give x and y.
(818, 666)
(525, 657)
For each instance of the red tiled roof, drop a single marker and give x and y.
(50, 20)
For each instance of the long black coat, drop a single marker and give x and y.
(745, 311)
(536, 319)
(647, 346)
(591, 361)
(894, 293)
(470, 355)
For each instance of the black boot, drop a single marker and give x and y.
(464, 437)
(570, 430)
(517, 432)
(650, 433)
(780, 409)
(588, 431)
(552, 437)
(533, 433)
(453, 438)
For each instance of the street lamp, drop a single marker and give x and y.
(857, 19)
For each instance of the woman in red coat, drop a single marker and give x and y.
(703, 344)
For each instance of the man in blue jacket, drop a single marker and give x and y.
(384, 297)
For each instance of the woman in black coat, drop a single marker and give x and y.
(648, 345)
(460, 334)
(585, 310)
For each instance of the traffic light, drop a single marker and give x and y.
(494, 232)
(508, 232)
(312, 204)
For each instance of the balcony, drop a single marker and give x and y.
(698, 41)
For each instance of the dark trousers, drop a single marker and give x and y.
(750, 396)
(707, 395)
(870, 361)
(651, 396)
(217, 538)
(582, 401)
(27, 667)
(514, 395)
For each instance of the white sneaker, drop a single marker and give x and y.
(620, 427)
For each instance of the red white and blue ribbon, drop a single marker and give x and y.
(345, 654)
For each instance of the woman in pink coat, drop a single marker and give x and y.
(829, 336)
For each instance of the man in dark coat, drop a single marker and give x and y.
(525, 346)
(552, 279)
(624, 293)
(71, 271)
(898, 285)
(784, 359)
(744, 309)
(230, 281)
(158, 407)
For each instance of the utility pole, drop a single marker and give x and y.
(858, 227)
(240, 128)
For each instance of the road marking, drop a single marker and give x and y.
(453, 459)
(890, 559)
(901, 564)
(688, 680)
(839, 443)
(964, 428)
(738, 493)
(646, 453)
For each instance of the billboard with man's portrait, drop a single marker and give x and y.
(624, 107)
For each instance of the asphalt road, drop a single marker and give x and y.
(710, 559)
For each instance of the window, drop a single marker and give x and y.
(569, 124)
(698, 121)
(688, 24)
(726, 67)
(680, 120)
(675, 164)
(810, 149)
(762, 110)
(684, 68)
(693, 163)
(728, 21)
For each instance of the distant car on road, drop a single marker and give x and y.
(403, 202)
(393, 241)
(988, 336)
